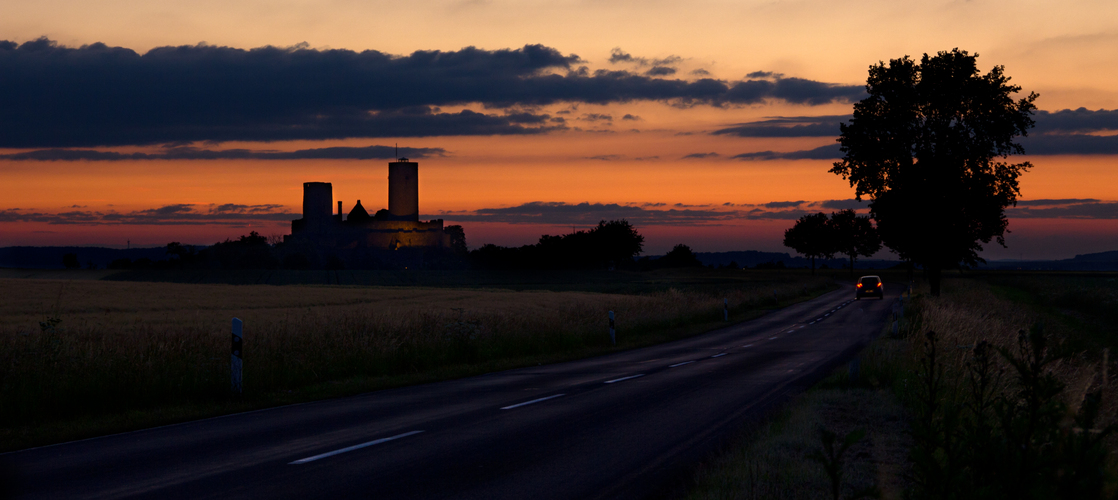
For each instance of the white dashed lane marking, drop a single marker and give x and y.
(623, 378)
(351, 448)
(526, 403)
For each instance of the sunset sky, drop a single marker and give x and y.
(710, 123)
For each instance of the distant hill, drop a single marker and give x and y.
(1101, 261)
(1098, 257)
(51, 257)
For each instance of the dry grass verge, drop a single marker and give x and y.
(1015, 403)
(774, 460)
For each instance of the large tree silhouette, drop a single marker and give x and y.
(812, 236)
(928, 147)
(854, 235)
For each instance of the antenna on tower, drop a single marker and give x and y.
(397, 151)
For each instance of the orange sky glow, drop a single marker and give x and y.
(652, 154)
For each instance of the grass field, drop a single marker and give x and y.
(85, 357)
(1009, 431)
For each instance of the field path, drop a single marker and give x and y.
(623, 425)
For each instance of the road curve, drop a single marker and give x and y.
(614, 426)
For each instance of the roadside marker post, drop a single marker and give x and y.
(612, 334)
(896, 319)
(725, 309)
(1105, 363)
(237, 355)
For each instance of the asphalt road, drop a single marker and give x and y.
(624, 425)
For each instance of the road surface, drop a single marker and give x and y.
(623, 425)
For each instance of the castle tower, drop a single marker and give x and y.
(317, 198)
(403, 190)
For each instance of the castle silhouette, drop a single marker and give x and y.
(394, 228)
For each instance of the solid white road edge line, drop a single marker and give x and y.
(719, 355)
(681, 364)
(748, 345)
(351, 448)
(526, 403)
(624, 378)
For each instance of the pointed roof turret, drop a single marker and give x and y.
(358, 214)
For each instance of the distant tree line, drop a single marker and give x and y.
(843, 233)
(612, 244)
(254, 251)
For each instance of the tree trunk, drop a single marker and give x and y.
(851, 265)
(934, 272)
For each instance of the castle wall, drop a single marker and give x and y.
(405, 234)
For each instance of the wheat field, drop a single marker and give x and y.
(70, 349)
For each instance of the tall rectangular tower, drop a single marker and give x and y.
(317, 198)
(403, 190)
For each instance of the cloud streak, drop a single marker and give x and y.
(539, 212)
(1065, 132)
(1064, 209)
(229, 214)
(96, 95)
(191, 153)
(828, 152)
(788, 126)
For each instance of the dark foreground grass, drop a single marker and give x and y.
(86, 358)
(995, 390)
(785, 457)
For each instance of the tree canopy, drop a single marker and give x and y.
(680, 256)
(812, 236)
(853, 235)
(929, 147)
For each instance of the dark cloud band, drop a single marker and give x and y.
(97, 95)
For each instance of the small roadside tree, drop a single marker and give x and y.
(854, 235)
(680, 256)
(70, 261)
(812, 236)
(618, 241)
(927, 146)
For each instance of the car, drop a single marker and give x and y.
(868, 286)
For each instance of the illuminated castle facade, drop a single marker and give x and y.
(395, 228)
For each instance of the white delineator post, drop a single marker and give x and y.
(612, 334)
(237, 357)
(725, 309)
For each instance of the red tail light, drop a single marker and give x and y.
(859, 285)
(879, 285)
